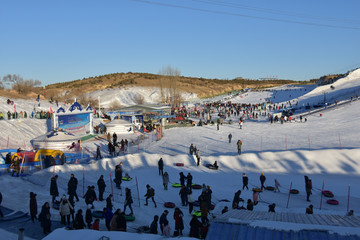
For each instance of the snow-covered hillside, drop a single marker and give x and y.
(326, 148)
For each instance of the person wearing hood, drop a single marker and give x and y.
(154, 225)
(65, 209)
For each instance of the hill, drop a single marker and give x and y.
(200, 86)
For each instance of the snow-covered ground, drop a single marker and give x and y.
(326, 148)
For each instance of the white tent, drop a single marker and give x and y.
(119, 126)
(56, 140)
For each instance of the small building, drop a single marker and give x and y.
(55, 139)
(119, 126)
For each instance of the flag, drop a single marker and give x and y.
(14, 107)
(51, 111)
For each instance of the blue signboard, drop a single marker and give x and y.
(74, 122)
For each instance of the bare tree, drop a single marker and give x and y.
(115, 104)
(19, 84)
(171, 93)
(139, 99)
(86, 100)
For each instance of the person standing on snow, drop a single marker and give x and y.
(98, 153)
(72, 186)
(44, 218)
(154, 225)
(163, 219)
(128, 200)
(33, 206)
(165, 180)
(54, 192)
(182, 179)
(101, 186)
(150, 193)
(161, 166)
(230, 136)
(245, 181)
(262, 180)
(65, 209)
(308, 190)
(239, 144)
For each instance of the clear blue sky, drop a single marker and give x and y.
(59, 41)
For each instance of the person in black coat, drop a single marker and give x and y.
(54, 192)
(182, 179)
(150, 193)
(195, 226)
(189, 179)
(154, 225)
(79, 220)
(33, 206)
(236, 199)
(8, 158)
(163, 219)
(109, 204)
(250, 205)
(272, 207)
(161, 166)
(114, 139)
(90, 196)
(118, 176)
(72, 186)
(128, 200)
(101, 186)
(245, 182)
(121, 222)
(88, 218)
(44, 218)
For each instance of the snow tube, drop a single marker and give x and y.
(210, 166)
(126, 178)
(328, 194)
(97, 214)
(270, 188)
(332, 202)
(196, 213)
(169, 204)
(196, 204)
(129, 218)
(294, 191)
(224, 200)
(176, 185)
(196, 186)
(179, 164)
(257, 190)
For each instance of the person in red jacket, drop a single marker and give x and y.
(96, 224)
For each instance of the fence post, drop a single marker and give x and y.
(287, 205)
(261, 144)
(83, 181)
(309, 142)
(137, 186)
(285, 142)
(322, 194)
(348, 202)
